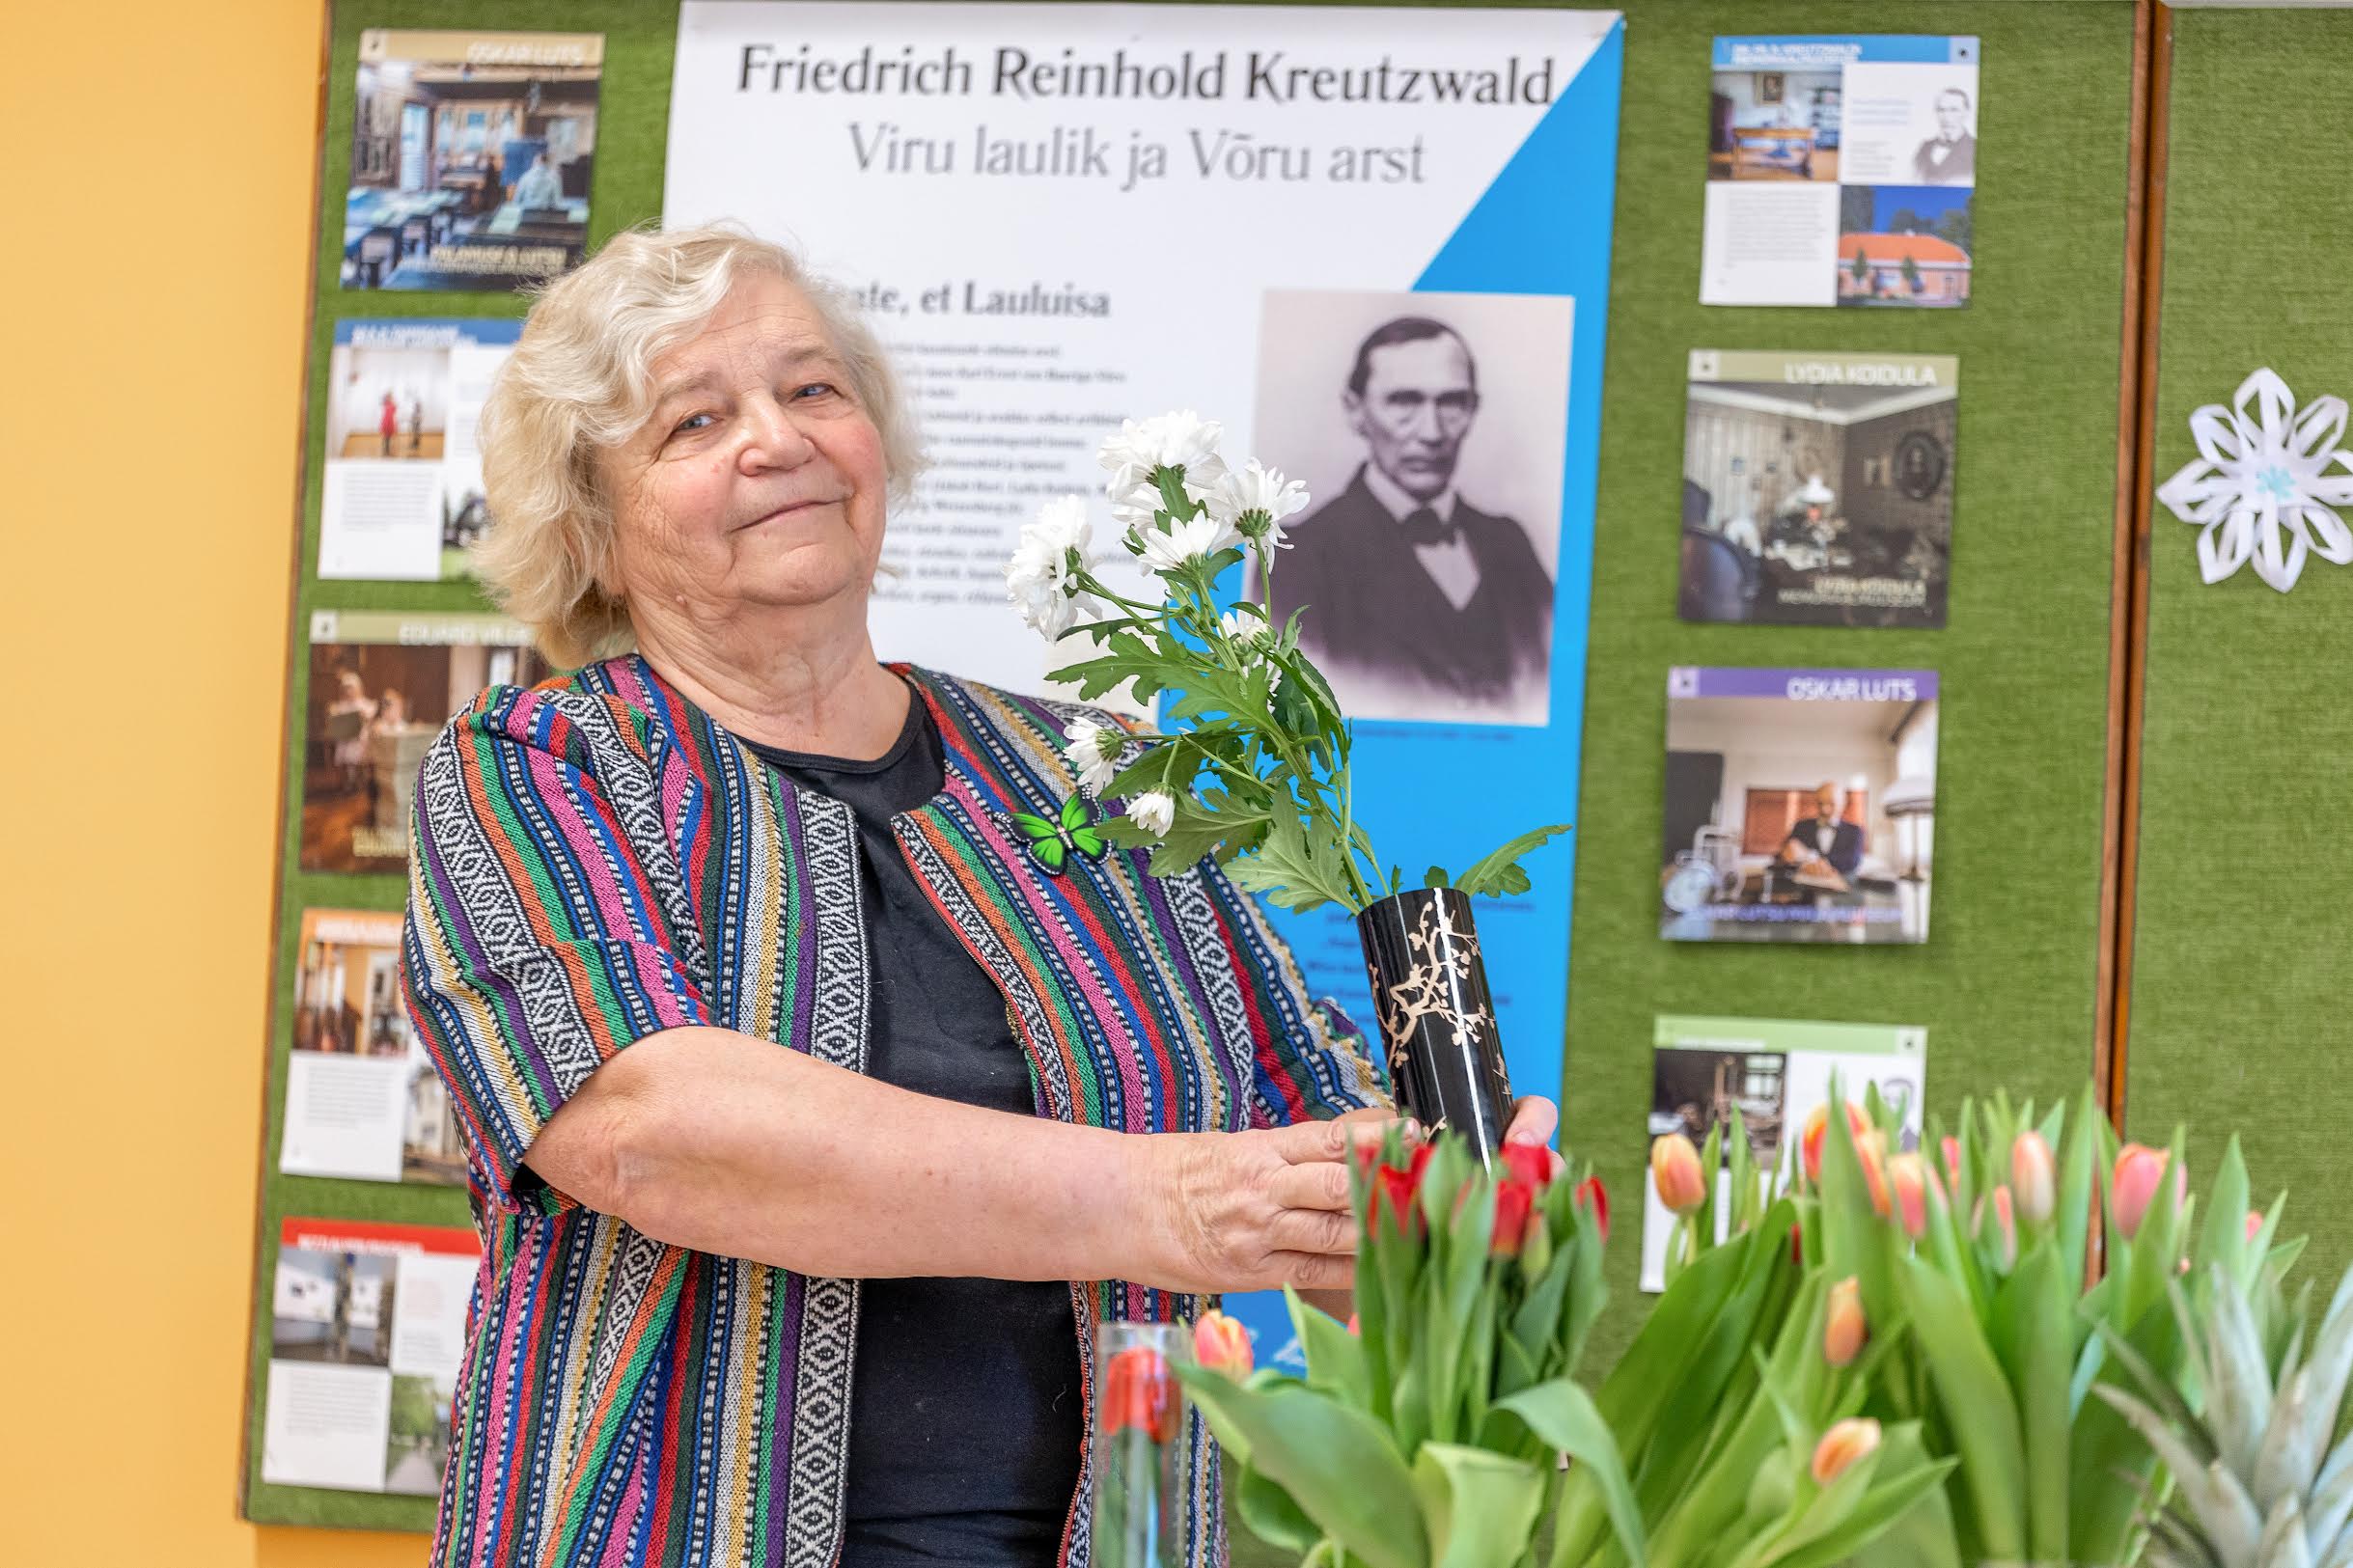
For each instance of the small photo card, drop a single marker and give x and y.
(1773, 1072)
(1800, 804)
(1818, 488)
(402, 496)
(1840, 171)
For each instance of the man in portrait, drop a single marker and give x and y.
(1825, 839)
(1949, 157)
(1415, 598)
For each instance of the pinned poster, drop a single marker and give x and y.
(402, 494)
(1772, 1072)
(367, 1332)
(1842, 170)
(1376, 253)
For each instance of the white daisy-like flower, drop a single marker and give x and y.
(2266, 482)
(1165, 550)
(1254, 503)
(1154, 812)
(1245, 632)
(1094, 751)
(1182, 439)
(1042, 579)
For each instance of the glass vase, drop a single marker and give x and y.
(1139, 1415)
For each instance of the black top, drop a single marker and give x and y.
(964, 1426)
(1372, 606)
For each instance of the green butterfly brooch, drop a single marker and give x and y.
(1051, 840)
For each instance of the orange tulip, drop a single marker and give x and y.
(1222, 1344)
(2032, 1178)
(1855, 1438)
(2138, 1169)
(1952, 1162)
(1910, 1176)
(1140, 1393)
(2254, 1223)
(1674, 1167)
(1843, 1329)
(1817, 1126)
(1871, 1148)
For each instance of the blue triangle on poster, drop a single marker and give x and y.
(1525, 235)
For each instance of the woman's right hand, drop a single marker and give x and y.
(1253, 1210)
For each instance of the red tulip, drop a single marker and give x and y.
(1594, 1197)
(1952, 1162)
(1222, 1344)
(1529, 1163)
(1855, 1438)
(1514, 1201)
(1843, 1329)
(1674, 1166)
(1398, 1190)
(1139, 1392)
(2138, 1171)
(2032, 1178)
(2254, 1223)
(1353, 1323)
(1817, 1128)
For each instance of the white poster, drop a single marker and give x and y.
(367, 1334)
(1372, 243)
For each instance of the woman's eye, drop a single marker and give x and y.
(693, 423)
(814, 389)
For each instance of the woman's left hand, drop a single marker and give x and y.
(1534, 1120)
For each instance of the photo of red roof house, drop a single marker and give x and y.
(1902, 269)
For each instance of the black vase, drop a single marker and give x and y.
(1437, 1020)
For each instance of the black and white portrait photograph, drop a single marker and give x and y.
(1431, 431)
(1911, 124)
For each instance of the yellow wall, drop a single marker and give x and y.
(156, 226)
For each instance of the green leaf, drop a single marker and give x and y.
(1564, 1416)
(1337, 1463)
(1437, 877)
(1499, 872)
(2078, 1157)
(2041, 1355)
(1270, 1515)
(1335, 1357)
(1889, 1500)
(1976, 1401)
(1921, 1536)
(1479, 1507)
(1294, 871)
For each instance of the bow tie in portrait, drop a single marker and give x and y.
(1423, 526)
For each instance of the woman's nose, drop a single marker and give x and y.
(775, 437)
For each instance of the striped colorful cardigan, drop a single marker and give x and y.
(596, 860)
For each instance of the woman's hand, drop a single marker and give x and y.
(1255, 1210)
(1534, 1120)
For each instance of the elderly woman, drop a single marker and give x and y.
(813, 1125)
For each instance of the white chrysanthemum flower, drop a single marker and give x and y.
(1042, 579)
(1154, 812)
(1182, 439)
(2266, 482)
(1167, 549)
(1254, 503)
(1096, 762)
(1244, 632)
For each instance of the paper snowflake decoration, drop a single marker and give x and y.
(2266, 485)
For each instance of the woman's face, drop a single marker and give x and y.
(759, 480)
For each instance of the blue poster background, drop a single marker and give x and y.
(1446, 794)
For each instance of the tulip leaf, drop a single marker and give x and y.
(1335, 1357)
(1922, 1535)
(1337, 1463)
(2040, 1355)
(1479, 1507)
(1270, 1514)
(2078, 1159)
(1977, 1407)
(1891, 1498)
(2223, 1239)
(1565, 1419)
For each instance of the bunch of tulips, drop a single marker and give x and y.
(1991, 1288)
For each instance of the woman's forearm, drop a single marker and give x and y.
(709, 1140)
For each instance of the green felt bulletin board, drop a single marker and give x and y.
(2238, 1017)
(2007, 983)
